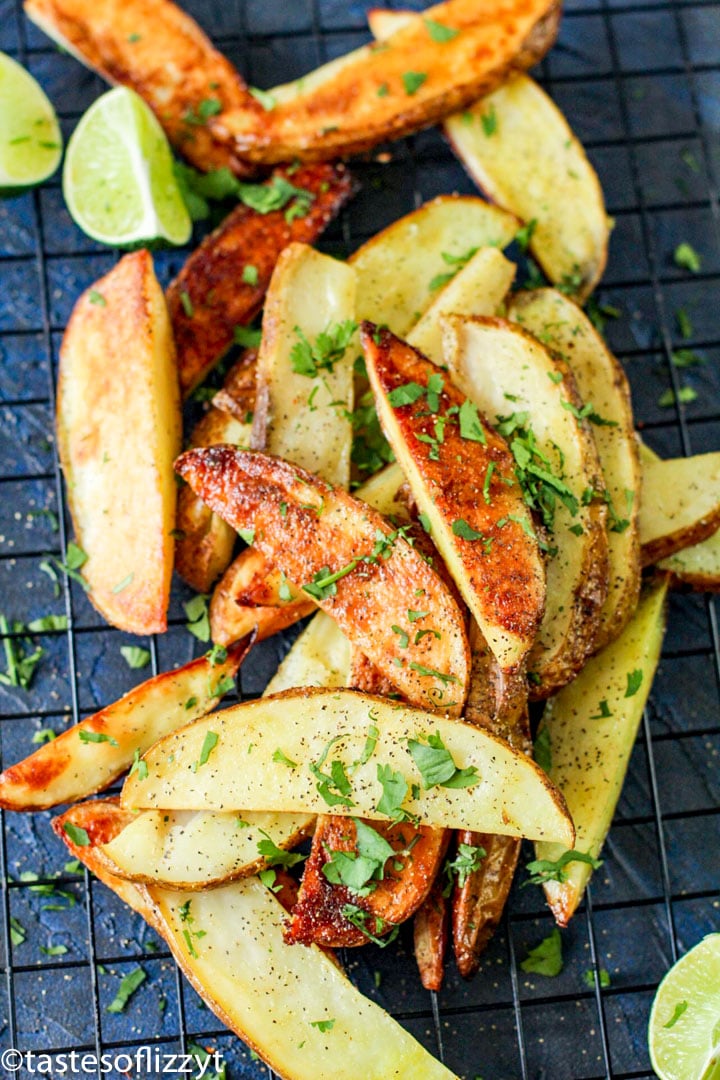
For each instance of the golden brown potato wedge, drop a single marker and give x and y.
(212, 295)
(430, 937)
(425, 81)
(517, 145)
(118, 431)
(203, 541)
(350, 560)
(90, 755)
(697, 567)
(564, 328)
(679, 504)
(512, 795)
(305, 364)
(161, 53)
(269, 993)
(398, 269)
(509, 374)
(592, 725)
(462, 475)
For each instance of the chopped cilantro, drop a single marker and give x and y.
(274, 855)
(334, 787)
(383, 90)
(542, 870)
(431, 672)
(461, 528)
(135, 656)
(545, 958)
(603, 978)
(209, 743)
(323, 1025)
(604, 711)
(328, 348)
(247, 337)
(436, 766)
(489, 122)
(122, 584)
(407, 394)
(687, 258)
(468, 859)
(139, 766)
(276, 194)
(360, 870)
(684, 324)
(267, 100)
(198, 622)
(248, 535)
(412, 81)
(470, 423)
(96, 737)
(439, 32)
(685, 396)
(187, 304)
(44, 735)
(53, 950)
(18, 934)
(456, 262)
(683, 358)
(394, 789)
(97, 298)
(679, 1009)
(634, 682)
(77, 834)
(128, 985)
(250, 274)
(542, 749)
(268, 878)
(524, 235)
(404, 640)
(20, 664)
(369, 747)
(361, 918)
(283, 759)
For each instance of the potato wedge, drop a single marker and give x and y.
(161, 53)
(90, 755)
(204, 543)
(679, 504)
(304, 398)
(508, 373)
(212, 295)
(592, 725)
(564, 328)
(320, 656)
(430, 937)
(345, 114)
(251, 595)
(118, 431)
(182, 849)
(397, 267)
(512, 795)
(349, 559)
(269, 993)
(497, 567)
(697, 567)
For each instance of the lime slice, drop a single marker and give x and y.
(684, 1028)
(30, 139)
(118, 178)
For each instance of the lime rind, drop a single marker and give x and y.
(30, 137)
(118, 180)
(688, 1000)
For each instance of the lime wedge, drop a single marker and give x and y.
(30, 139)
(118, 178)
(684, 1028)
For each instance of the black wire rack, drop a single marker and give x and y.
(640, 84)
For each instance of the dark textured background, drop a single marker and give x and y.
(640, 84)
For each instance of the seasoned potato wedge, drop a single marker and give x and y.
(320, 656)
(508, 374)
(512, 795)
(679, 504)
(118, 431)
(90, 755)
(696, 567)
(564, 328)
(182, 849)
(204, 542)
(349, 559)
(250, 594)
(344, 113)
(430, 937)
(269, 993)
(592, 725)
(463, 480)
(212, 294)
(397, 267)
(161, 53)
(303, 407)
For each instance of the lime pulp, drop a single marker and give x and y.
(684, 1027)
(30, 139)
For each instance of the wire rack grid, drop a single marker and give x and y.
(640, 84)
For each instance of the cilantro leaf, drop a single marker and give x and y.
(274, 855)
(405, 395)
(470, 424)
(96, 737)
(436, 766)
(603, 976)
(634, 682)
(77, 834)
(361, 918)
(394, 790)
(128, 985)
(542, 870)
(439, 32)
(545, 958)
(412, 81)
(679, 1009)
(468, 859)
(542, 749)
(198, 618)
(687, 258)
(135, 656)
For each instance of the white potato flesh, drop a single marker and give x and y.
(697, 567)
(679, 504)
(511, 795)
(561, 325)
(299, 417)
(396, 267)
(319, 657)
(504, 370)
(194, 850)
(592, 726)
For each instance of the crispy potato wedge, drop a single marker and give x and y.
(497, 568)
(320, 656)
(75, 765)
(118, 431)
(430, 937)
(210, 297)
(564, 328)
(512, 795)
(518, 147)
(269, 993)
(345, 114)
(592, 725)
(506, 371)
(396, 267)
(697, 567)
(679, 504)
(300, 416)
(320, 537)
(251, 595)
(204, 543)
(182, 849)
(161, 53)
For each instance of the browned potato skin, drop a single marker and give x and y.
(512, 572)
(498, 702)
(430, 935)
(672, 543)
(205, 543)
(160, 52)
(212, 276)
(345, 114)
(244, 598)
(111, 383)
(281, 502)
